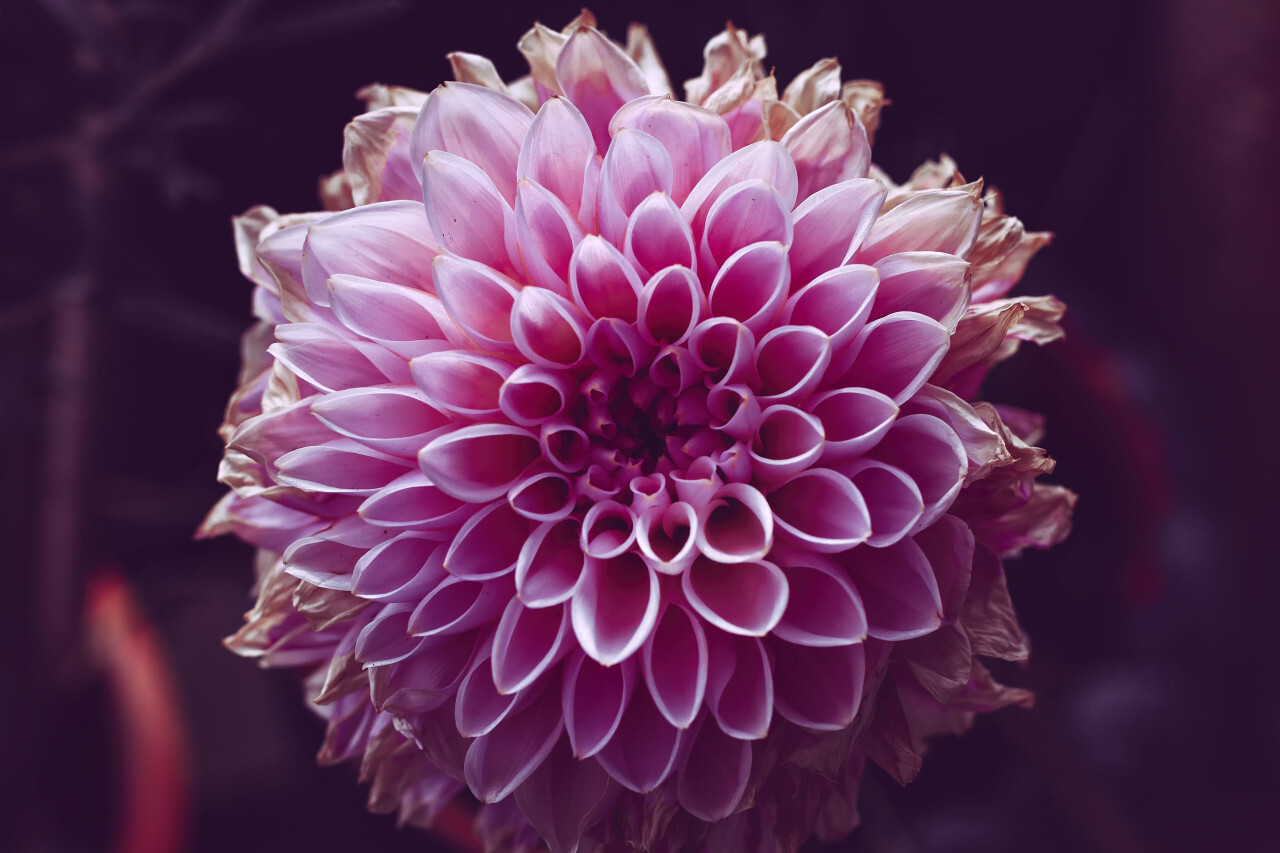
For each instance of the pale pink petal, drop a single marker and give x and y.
(482, 125)
(389, 241)
(893, 499)
(766, 160)
(837, 302)
(342, 466)
(928, 283)
(644, 750)
(331, 363)
(853, 420)
(714, 777)
(608, 529)
(725, 348)
(541, 48)
(671, 304)
(457, 605)
(616, 347)
(556, 151)
(376, 156)
(398, 569)
(532, 395)
(823, 608)
(787, 441)
(412, 500)
(393, 419)
(929, 221)
(542, 495)
(898, 589)
(749, 212)
(831, 224)
(603, 283)
(546, 234)
(751, 286)
(896, 355)
(818, 688)
(489, 544)
(695, 138)
(739, 685)
(667, 537)
(657, 236)
(550, 564)
(598, 77)
(391, 313)
(829, 145)
(527, 643)
(931, 454)
(791, 361)
(635, 167)
(594, 698)
(548, 329)
(468, 216)
(499, 761)
(479, 463)
(475, 69)
(745, 598)
(821, 510)
(462, 382)
(478, 299)
(615, 607)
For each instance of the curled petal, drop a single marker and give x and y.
(388, 241)
(766, 160)
(670, 306)
(853, 420)
(479, 300)
(603, 282)
(645, 749)
(532, 395)
(746, 598)
(791, 361)
(667, 537)
(475, 69)
(749, 212)
(752, 285)
(616, 347)
(541, 47)
(657, 236)
(457, 605)
(342, 466)
(393, 419)
(546, 234)
(695, 138)
(814, 87)
(527, 642)
(598, 77)
(542, 495)
(698, 485)
(489, 544)
(674, 662)
(481, 125)
(635, 167)
(898, 589)
(821, 510)
(594, 698)
(608, 529)
(714, 776)
(734, 410)
(412, 500)
(929, 221)
(931, 454)
(739, 685)
(550, 564)
(896, 355)
(479, 463)
(469, 217)
(597, 484)
(928, 283)
(399, 569)
(547, 329)
(499, 761)
(736, 525)
(819, 688)
(649, 492)
(673, 368)
(556, 151)
(725, 348)
(893, 499)
(831, 225)
(823, 608)
(462, 382)
(564, 445)
(786, 442)
(829, 145)
(837, 302)
(615, 607)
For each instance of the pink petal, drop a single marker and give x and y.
(426, 679)
(766, 160)
(541, 47)
(331, 363)
(385, 639)
(398, 569)
(746, 213)
(698, 485)
(897, 354)
(929, 221)
(734, 410)
(389, 241)
(612, 611)
(598, 78)
(479, 463)
(674, 662)
(489, 544)
(821, 510)
(556, 151)
(829, 146)
(892, 497)
(550, 564)
(532, 395)
(670, 306)
(564, 445)
(898, 590)
(948, 543)
(853, 420)
(635, 167)
(393, 419)
(546, 234)
(837, 302)
(527, 643)
(615, 346)
(603, 283)
(739, 685)
(468, 216)
(342, 466)
(480, 707)
(461, 382)
(391, 313)
(594, 698)
(725, 349)
(823, 608)
(819, 688)
(479, 300)
(644, 750)
(667, 537)
(831, 224)
(414, 501)
(499, 761)
(931, 454)
(736, 526)
(657, 236)
(752, 285)
(786, 442)
(544, 495)
(674, 369)
(481, 125)
(714, 776)
(458, 605)
(608, 529)
(695, 138)
(791, 361)
(928, 283)
(547, 329)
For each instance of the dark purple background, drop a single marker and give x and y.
(1144, 134)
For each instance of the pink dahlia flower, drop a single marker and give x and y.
(612, 456)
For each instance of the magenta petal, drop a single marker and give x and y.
(386, 639)
(484, 126)
(674, 661)
(949, 545)
(550, 564)
(392, 419)
(341, 466)
(786, 442)
(821, 510)
(823, 608)
(532, 395)
(603, 282)
(698, 485)
(527, 643)
(930, 221)
(898, 590)
(837, 302)
(556, 151)
(479, 706)
(725, 349)
(670, 306)
(608, 529)
(715, 774)
(695, 138)
(389, 241)
(736, 526)
(548, 329)
(426, 679)
(564, 797)
(644, 750)
(657, 236)
(478, 299)
(929, 451)
(594, 698)
(460, 381)
(479, 463)
(598, 78)
(752, 285)
(489, 544)
(819, 688)
(499, 761)
(542, 496)
(399, 569)
(897, 354)
(564, 445)
(742, 598)
(791, 361)
(739, 685)
(853, 420)
(829, 145)
(892, 497)
(831, 224)
(615, 607)
(734, 410)
(412, 500)
(457, 605)
(546, 234)
(929, 283)
(616, 347)
(667, 537)
(468, 216)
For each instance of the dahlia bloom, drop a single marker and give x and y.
(612, 456)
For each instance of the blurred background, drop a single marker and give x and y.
(1144, 134)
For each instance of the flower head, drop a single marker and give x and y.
(622, 443)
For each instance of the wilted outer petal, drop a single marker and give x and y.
(598, 77)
